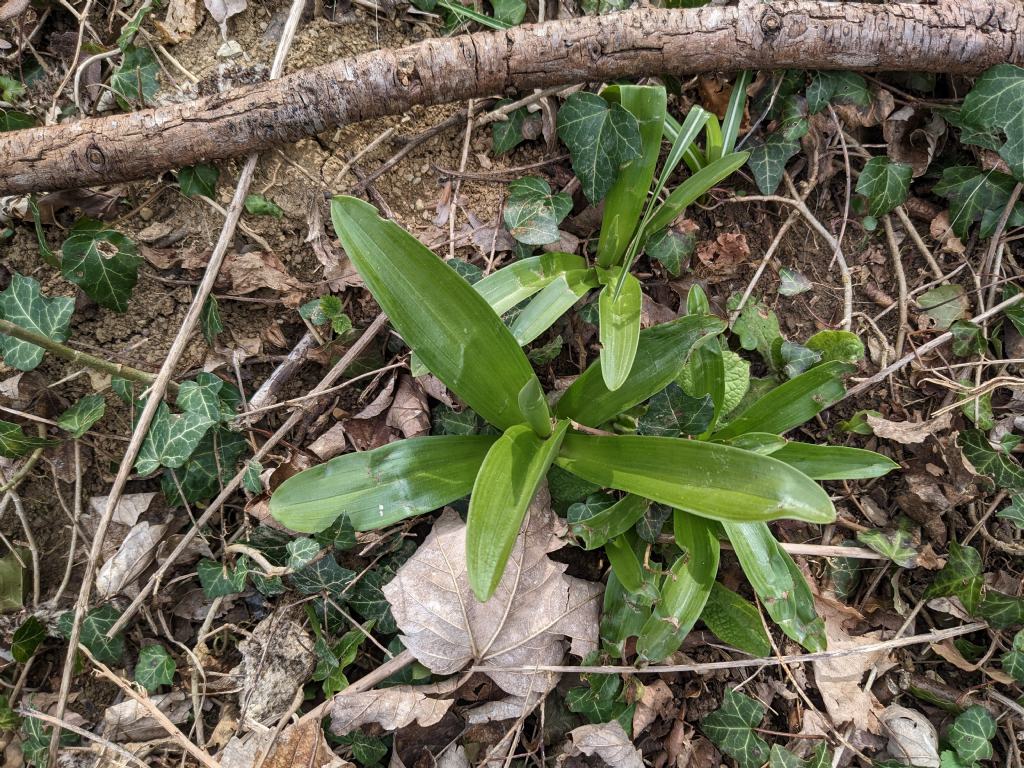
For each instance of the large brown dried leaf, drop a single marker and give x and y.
(607, 741)
(390, 708)
(909, 432)
(535, 608)
(409, 411)
(254, 270)
(135, 555)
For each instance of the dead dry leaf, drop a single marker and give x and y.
(331, 443)
(130, 721)
(390, 708)
(277, 658)
(222, 10)
(136, 553)
(607, 741)
(180, 23)
(909, 432)
(303, 744)
(129, 507)
(912, 737)
(840, 678)
(248, 272)
(409, 412)
(655, 701)
(535, 608)
(726, 254)
(941, 231)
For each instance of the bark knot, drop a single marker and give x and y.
(771, 23)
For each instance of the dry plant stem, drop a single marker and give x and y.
(901, 281)
(938, 341)
(267, 392)
(771, 661)
(42, 716)
(235, 483)
(383, 672)
(159, 388)
(772, 247)
(154, 711)
(958, 38)
(74, 356)
(994, 258)
(915, 238)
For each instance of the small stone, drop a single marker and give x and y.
(145, 214)
(420, 205)
(229, 50)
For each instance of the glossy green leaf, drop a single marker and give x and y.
(734, 112)
(95, 626)
(1001, 611)
(602, 138)
(778, 583)
(619, 330)
(707, 479)
(102, 262)
(839, 87)
(79, 418)
(507, 134)
(27, 638)
(791, 404)
(684, 591)
(534, 406)
(514, 467)
(707, 376)
(768, 161)
(446, 323)
(968, 338)
(597, 520)
(764, 443)
(553, 301)
(623, 615)
(323, 575)
(960, 577)
(832, 462)
(134, 82)
(661, 353)
(14, 442)
(171, 439)
(520, 280)
(992, 462)
(971, 193)
(22, 304)
(885, 184)
(897, 545)
(625, 562)
(626, 197)
(532, 212)
(220, 579)
(210, 321)
(203, 474)
(735, 621)
(198, 180)
(380, 487)
(731, 729)
(737, 381)
(843, 346)
(757, 326)
(672, 413)
(154, 668)
(994, 104)
(971, 734)
(673, 248)
(258, 205)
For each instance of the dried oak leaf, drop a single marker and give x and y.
(390, 708)
(909, 432)
(607, 741)
(535, 608)
(726, 254)
(254, 270)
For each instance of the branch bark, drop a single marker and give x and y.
(963, 37)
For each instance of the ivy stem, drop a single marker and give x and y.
(75, 356)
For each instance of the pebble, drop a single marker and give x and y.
(145, 214)
(420, 205)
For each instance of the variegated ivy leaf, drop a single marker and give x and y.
(95, 626)
(199, 479)
(601, 138)
(971, 734)
(838, 87)
(994, 104)
(960, 577)
(792, 283)
(102, 262)
(757, 326)
(251, 479)
(731, 726)
(507, 134)
(154, 668)
(210, 396)
(1004, 470)
(134, 82)
(896, 545)
(672, 413)
(301, 552)
(794, 358)
(15, 443)
(673, 248)
(23, 304)
(1013, 662)
(198, 180)
(1014, 511)
(79, 418)
(27, 638)
(885, 184)
(323, 575)
(768, 160)
(532, 213)
(220, 580)
(974, 195)
(210, 320)
(171, 439)
(1001, 611)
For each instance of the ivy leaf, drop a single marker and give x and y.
(1013, 662)
(532, 213)
(12, 120)
(896, 545)
(792, 283)
(961, 577)
(323, 575)
(783, 758)
(79, 418)
(95, 626)
(301, 552)
(210, 396)
(601, 7)
(601, 137)
(1005, 471)
(672, 413)
(885, 184)
(507, 134)
(510, 12)
(1014, 512)
(102, 262)
(198, 180)
(768, 160)
(10, 89)
(27, 638)
(971, 192)
(757, 326)
(220, 580)
(730, 727)
(1001, 611)
(210, 320)
(340, 535)
(944, 305)
(795, 358)
(258, 205)
(843, 346)
(994, 103)
(251, 479)
(35, 744)
(129, 30)
(23, 304)
(838, 87)
(9, 719)
(199, 477)
(134, 82)
(171, 439)
(968, 338)
(367, 598)
(154, 668)
(971, 734)
(367, 750)
(672, 248)
(15, 443)
(599, 700)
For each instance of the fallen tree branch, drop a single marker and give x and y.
(963, 37)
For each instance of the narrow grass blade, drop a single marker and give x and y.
(380, 487)
(513, 469)
(449, 326)
(706, 479)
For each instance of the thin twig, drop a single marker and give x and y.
(65, 725)
(901, 281)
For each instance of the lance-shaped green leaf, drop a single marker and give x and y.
(380, 487)
(627, 196)
(707, 479)
(684, 591)
(624, 559)
(556, 298)
(522, 279)
(735, 621)
(707, 377)
(23, 304)
(15, 443)
(509, 476)
(661, 353)
(834, 462)
(791, 404)
(734, 112)
(596, 522)
(443, 320)
(779, 584)
(619, 330)
(601, 138)
(102, 262)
